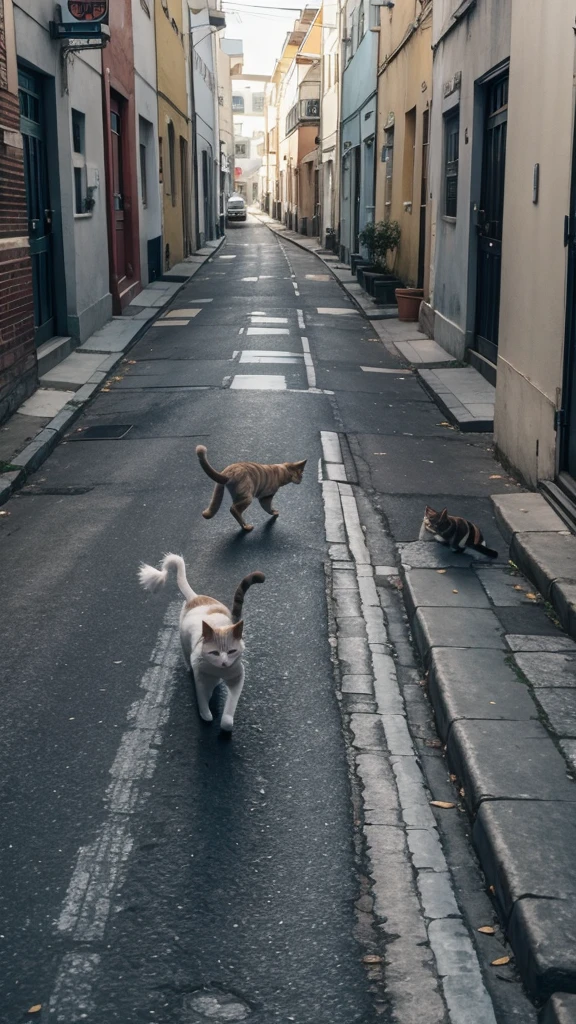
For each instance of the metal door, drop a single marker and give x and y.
(566, 417)
(33, 128)
(116, 140)
(490, 219)
(423, 196)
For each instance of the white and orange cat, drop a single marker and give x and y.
(211, 636)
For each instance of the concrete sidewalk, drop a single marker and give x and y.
(28, 437)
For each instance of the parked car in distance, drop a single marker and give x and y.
(236, 207)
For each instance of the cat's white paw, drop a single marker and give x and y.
(207, 716)
(227, 723)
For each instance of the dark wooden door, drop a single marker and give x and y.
(33, 128)
(490, 219)
(567, 416)
(117, 141)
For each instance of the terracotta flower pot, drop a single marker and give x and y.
(408, 300)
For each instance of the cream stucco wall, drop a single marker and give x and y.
(404, 86)
(533, 285)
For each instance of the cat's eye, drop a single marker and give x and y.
(232, 650)
(214, 652)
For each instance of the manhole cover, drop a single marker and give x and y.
(107, 432)
(213, 1005)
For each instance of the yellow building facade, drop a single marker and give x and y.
(404, 101)
(174, 132)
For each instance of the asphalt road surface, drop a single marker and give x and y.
(143, 857)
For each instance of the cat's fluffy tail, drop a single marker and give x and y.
(202, 452)
(253, 577)
(152, 579)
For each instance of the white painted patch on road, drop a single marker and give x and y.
(249, 278)
(310, 371)
(183, 312)
(336, 311)
(258, 382)
(252, 357)
(301, 324)
(267, 330)
(100, 866)
(259, 318)
(71, 999)
(170, 323)
(381, 369)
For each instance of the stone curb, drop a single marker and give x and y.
(543, 549)
(38, 450)
(512, 778)
(459, 416)
(560, 1009)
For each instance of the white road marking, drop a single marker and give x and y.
(310, 371)
(170, 323)
(381, 369)
(258, 318)
(241, 331)
(249, 278)
(100, 866)
(267, 330)
(183, 312)
(301, 324)
(258, 382)
(252, 357)
(336, 311)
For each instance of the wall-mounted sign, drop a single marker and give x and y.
(75, 11)
(82, 19)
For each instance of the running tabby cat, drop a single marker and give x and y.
(211, 636)
(246, 481)
(456, 532)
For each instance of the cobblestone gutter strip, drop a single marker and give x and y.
(504, 702)
(38, 450)
(431, 968)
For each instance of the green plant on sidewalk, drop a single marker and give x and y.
(381, 239)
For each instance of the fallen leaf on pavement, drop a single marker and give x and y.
(531, 596)
(518, 587)
(372, 959)
(454, 591)
(36, 1008)
(495, 476)
(500, 961)
(491, 889)
(4, 513)
(452, 778)
(440, 571)
(442, 803)
(486, 929)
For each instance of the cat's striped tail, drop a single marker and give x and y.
(152, 579)
(253, 577)
(202, 452)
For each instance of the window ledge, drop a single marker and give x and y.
(449, 220)
(82, 216)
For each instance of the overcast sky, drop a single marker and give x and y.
(262, 26)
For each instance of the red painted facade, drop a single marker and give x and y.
(18, 367)
(121, 149)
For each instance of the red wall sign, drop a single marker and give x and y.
(85, 11)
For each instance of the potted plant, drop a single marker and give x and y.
(380, 239)
(408, 301)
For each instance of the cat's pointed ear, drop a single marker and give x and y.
(444, 513)
(430, 511)
(300, 465)
(237, 629)
(207, 631)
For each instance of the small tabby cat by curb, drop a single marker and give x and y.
(211, 636)
(454, 531)
(246, 481)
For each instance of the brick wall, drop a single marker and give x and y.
(18, 368)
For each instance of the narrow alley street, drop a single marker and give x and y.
(153, 869)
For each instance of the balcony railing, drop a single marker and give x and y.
(303, 112)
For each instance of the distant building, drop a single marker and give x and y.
(248, 109)
(229, 65)
(146, 114)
